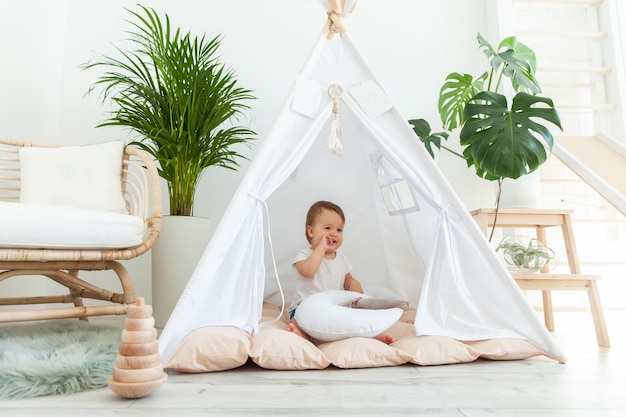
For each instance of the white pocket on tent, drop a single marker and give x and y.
(307, 97)
(371, 98)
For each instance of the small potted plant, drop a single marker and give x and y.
(524, 255)
(498, 140)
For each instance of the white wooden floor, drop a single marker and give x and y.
(592, 383)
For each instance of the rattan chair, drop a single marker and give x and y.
(142, 192)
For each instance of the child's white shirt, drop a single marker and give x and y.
(331, 274)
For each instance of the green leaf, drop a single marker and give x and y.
(454, 93)
(513, 60)
(430, 140)
(172, 90)
(507, 143)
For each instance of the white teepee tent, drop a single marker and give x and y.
(405, 227)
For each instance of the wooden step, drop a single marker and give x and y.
(561, 34)
(546, 283)
(576, 70)
(549, 282)
(589, 2)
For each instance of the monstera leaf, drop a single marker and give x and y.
(454, 93)
(515, 61)
(430, 139)
(507, 143)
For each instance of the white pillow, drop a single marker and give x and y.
(380, 297)
(326, 316)
(87, 176)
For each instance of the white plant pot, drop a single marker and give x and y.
(174, 258)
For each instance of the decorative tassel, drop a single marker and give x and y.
(335, 91)
(334, 140)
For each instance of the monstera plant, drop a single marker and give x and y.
(499, 139)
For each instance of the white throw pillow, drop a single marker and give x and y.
(326, 316)
(87, 176)
(380, 297)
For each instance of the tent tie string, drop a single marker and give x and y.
(271, 245)
(335, 92)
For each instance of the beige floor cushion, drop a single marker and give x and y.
(274, 347)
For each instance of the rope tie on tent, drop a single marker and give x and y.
(271, 245)
(335, 91)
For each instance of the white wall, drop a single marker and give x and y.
(411, 45)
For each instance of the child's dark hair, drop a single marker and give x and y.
(315, 211)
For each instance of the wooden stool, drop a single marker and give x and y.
(540, 219)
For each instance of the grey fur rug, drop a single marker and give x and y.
(55, 357)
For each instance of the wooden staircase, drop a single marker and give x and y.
(578, 68)
(573, 70)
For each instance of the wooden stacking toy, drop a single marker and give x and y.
(138, 370)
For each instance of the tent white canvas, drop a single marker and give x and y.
(431, 252)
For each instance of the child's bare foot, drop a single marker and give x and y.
(295, 329)
(385, 338)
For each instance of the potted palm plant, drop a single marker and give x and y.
(498, 140)
(183, 105)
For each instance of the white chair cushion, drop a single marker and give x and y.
(326, 316)
(88, 176)
(55, 226)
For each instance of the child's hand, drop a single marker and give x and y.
(325, 242)
(330, 241)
